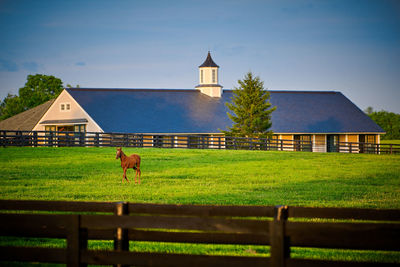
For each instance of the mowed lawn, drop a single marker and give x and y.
(203, 177)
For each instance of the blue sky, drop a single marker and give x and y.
(344, 45)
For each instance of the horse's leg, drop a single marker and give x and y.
(140, 173)
(136, 171)
(126, 178)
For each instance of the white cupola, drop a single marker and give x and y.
(208, 76)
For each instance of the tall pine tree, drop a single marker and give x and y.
(251, 109)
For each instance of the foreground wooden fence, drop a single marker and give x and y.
(278, 227)
(51, 138)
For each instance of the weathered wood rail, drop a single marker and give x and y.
(369, 229)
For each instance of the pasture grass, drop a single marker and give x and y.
(397, 142)
(205, 177)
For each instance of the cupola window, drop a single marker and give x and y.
(213, 76)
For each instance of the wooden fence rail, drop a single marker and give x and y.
(122, 222)
(95, 139)
(76, 139)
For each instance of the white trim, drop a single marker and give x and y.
(66, 123)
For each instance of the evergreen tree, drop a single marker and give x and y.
(251, 109)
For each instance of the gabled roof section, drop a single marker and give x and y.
(209, 62)
(26, 120)
(318, 112)
(152, 110)
(190, 111)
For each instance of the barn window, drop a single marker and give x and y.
(370, 139)
(50, 128)
(65, 106)
(80, 128)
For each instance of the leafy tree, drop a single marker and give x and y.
(251, 109)
(70, 86)
(38, 89)
(388, 121)
(10, 106)
(369, 110)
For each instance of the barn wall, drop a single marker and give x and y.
(287, 142)
(319, 144)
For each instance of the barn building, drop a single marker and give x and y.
(323, 117)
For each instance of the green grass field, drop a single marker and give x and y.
(397, 142)
(206, 177)
(203, 177)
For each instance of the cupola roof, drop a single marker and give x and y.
(209, 62)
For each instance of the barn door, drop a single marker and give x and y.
(332, 143)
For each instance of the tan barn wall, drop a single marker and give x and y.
(147, 141)
(181, 141)
(319, 144)
(287, 142)
(352, 138)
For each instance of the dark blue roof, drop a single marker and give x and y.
(190, 111)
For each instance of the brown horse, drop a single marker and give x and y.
(133, 161)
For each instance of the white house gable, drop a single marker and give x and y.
(65, 114)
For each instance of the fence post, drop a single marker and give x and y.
(19, 138)
(121, 238)
(77, 240)
(126, 140)
(280, 249)
(35, 139)
(3, 138)
(97, 140)
(281, 145)
(141, 140)
(50, 142)
(82, 139)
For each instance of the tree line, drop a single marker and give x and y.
(388, 121)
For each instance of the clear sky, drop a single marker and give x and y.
(343, 45)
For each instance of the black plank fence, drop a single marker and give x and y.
(87, 139)
(279, 227)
